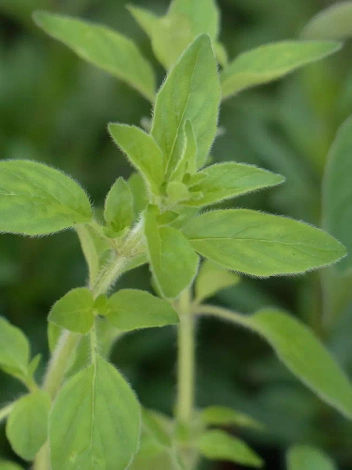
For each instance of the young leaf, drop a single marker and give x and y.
(190, 92)
(188, 159)
(102, 47)
(142, 151)
(223, 416)
(95, 421)
(218, 445)
(334, 22)
(14, 350)
(337, 192)
(227, 180)
(37, 200)
(139, 192)
(173, 261)
(308, 458)
(74, 311)
(118, 212)
(211, 279)
(6, 465)
(130, 309)
(27, 426)
(270, 62)
(261, 244)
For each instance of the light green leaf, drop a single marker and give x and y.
(270, 62)
(337, 192)
(130, 309)
(142, 151)
(173, 33)
(227, 180)
(261, 244)
(95, 421)
(140, 196)
(118, 211)
(37, 200)
(163, 459)
(14, 350)
(218, 445)
(173, 261)
(27, 426)
(211, 279)
(177, 192)
(308, 458)
(334, 22)
(223, 416)
(74, 311)
(6, 465)
(190, 92)
(102, 47)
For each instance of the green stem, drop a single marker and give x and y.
(4, 412)
(223, 313)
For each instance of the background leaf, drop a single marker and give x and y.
(224, 416)
(308, 458)
(334, 22)
(14, 349)
(211, 279)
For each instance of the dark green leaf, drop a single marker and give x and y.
(308, 458)
(223, 416)
(14, 350)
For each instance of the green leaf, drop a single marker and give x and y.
(188, 159)
(130, 309)
(337, 192)
(227, 180)
(14, 350)
(102, 47)
(173, 33)
(308, 458)
(173, 261)
(261, 244)
(331, 23)
(27, 426)
(118, 212)
(211, 279)
(37, 200)
(6, 465)
(223, 416)
(177, 192)
(140, 196)
(74, 311)
(270, 62)
(218, 445)
(95, 421)
(190, 92)
(142, 151)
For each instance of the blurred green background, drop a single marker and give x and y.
(54, 108)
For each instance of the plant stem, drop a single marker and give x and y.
(223, 313)
(4, 412)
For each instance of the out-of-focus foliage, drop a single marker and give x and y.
(54, 108)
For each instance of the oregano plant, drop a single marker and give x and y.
(84, 414)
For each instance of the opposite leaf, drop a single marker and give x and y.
(131, 309)
(334, 22)
(103, 48)
(14, 350)
(308, 458)
(118, 212)
(218, 445)
(74, 311)
(211, 279)
(27, 426)
(95, 421)
(261, 244)
(337, 192)
(190, 92)
(270, 62)
(173, 261)
(37, 200)
(228, 180)
(223, 416)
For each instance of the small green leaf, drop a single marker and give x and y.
(14, 350)
(27, 426)
(33, 366)
(130, 309)
(223, 416)
(190, 92)
(139, 192)
(74, 311)
(95, 421)
(173, 261)
(118, 212)
(37, 200)
(102, 47)
(142, 151)
(6, 465)
(337, 192)
(270, 62)
(308, 458)
(227, 180)
(211, 279)
(218, 445)
(334, 22)
(177, 192)
(261, 244)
